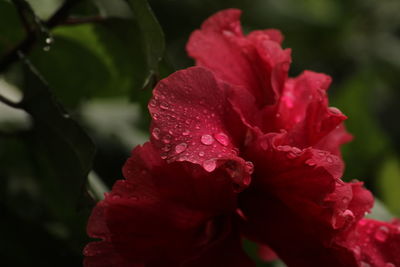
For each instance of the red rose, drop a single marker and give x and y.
(238, 148)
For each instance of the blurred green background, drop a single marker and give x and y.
(84, 73)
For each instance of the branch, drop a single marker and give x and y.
(26, 45)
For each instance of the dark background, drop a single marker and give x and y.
(98, 60)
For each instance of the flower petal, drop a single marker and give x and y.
(298, 206)
(194, 122)
(255, 63)
(162, 215)
(376, 243)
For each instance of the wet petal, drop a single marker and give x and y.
(255, 63)
(161, 215)
(194, 122)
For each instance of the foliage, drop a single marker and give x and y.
(71, 69)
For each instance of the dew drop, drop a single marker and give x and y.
(209, 165)
(164, 155)
(49, 40)
(345, 200)
(89, 252)
(186, 132)
(365, 264)
(250, 166)
(115, 197)
(222, 138)
(382, 233)
(156, 116)
(166, 139)
(180, 148)
(166, 148)
(228, 33)
(201, 153)
(389, 264)
(153, 103)
(329, 159)
(334, 110)
(164, 105)
(156, 133)
(207, 139)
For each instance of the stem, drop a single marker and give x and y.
(26, 45)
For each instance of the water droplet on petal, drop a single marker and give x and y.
(250, 166)
(209, 165)
(115, 196)
(329, 159)
(156, 133)
(201, 153)
(207, 139)
(334, 110)
(345, 200)
(164, 155)
(389, 264)
(222, 138)
(164, 105)
(382, 233)
(153, 102)
(365, 264)
(180, 148)
(186, 132)
(166, 147)
(167, 139)
(134, 198)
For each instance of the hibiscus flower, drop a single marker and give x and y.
(239, 149)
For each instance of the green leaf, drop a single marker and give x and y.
(153, 36)
(11, 30)
(106, 59)
(388, 183)
(63, 154)
(380, 212)
(364, 153)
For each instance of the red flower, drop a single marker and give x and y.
(165, 215)
(237, 146)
